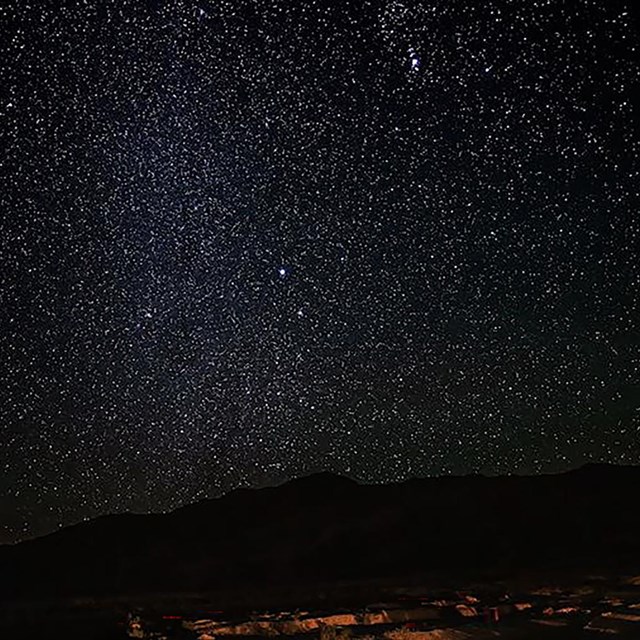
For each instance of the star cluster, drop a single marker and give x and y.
(245, 240)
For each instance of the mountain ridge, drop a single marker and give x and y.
(329, 527)
(586, 470)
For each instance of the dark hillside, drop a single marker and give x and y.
(326, 528)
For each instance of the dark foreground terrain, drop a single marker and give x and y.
(326, 542)
(593, 607)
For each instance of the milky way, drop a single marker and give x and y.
(246, 240)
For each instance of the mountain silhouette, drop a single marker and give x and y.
(325, 528)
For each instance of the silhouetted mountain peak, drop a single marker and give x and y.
(328, 527)
(323, 481)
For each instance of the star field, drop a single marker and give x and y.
(246, 240)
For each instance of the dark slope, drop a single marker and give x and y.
(324, 528)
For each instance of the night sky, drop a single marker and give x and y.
(246, 240)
